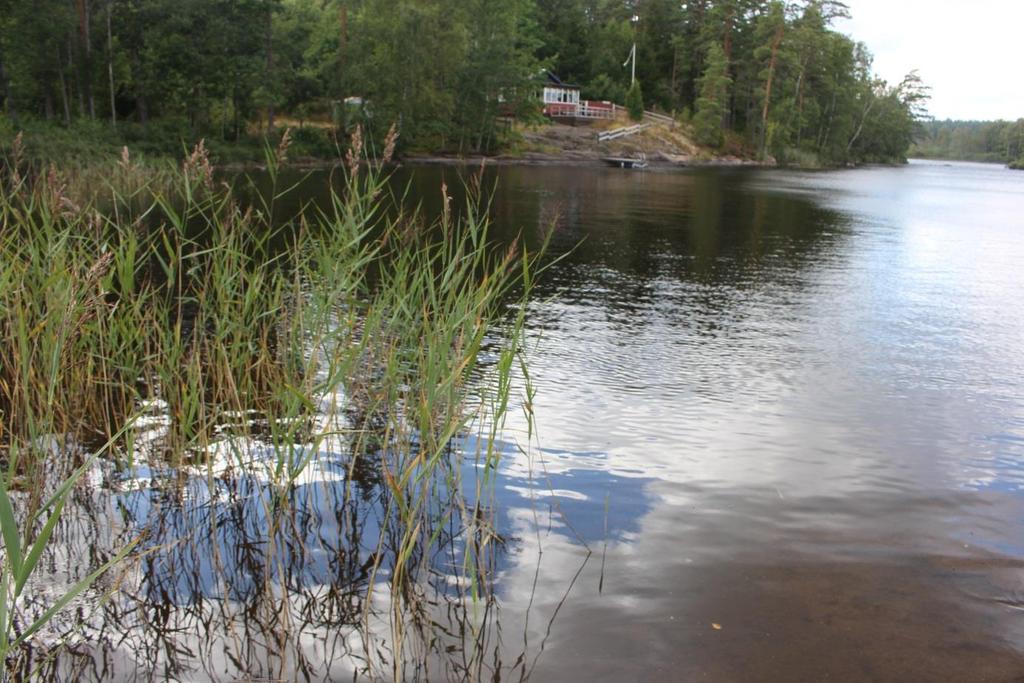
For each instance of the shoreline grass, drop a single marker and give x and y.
(357, 324)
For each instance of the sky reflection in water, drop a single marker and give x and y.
(787, 404)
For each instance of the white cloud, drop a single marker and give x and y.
(968, 52)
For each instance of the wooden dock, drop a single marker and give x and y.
(625, 162)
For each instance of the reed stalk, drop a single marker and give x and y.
(356, 323)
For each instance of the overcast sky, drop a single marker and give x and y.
(968, 52)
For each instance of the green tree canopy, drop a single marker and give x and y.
(776, 76)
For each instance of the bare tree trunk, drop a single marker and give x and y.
(270, 66)
(90, 95)
(342, 40)
(768, 89)
(826, 132)
(110, 68)
(727, 40)
(727, 48)
(343, 26)
(484, 135)
(139, 91)
(64, 95)
(85, 48)
(75, 76)
(697, 63)
(5, 83)
(195, 112)
(860, 128)
(142, 109)
(675, 75)
(800, 101)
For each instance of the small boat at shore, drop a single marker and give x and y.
(625, 162)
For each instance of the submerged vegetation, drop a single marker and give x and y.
(155, 318)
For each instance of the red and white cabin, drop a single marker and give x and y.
(562, 100)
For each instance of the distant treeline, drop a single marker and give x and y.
(996, 141)
(762, 76)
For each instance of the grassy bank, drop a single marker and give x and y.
(86, 142)
(139, 290)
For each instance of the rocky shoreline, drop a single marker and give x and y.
(660, 161)
(662, 143)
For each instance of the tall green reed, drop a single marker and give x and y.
(356, 322)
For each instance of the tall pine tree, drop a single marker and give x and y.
(713, 103)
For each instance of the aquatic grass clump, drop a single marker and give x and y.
(21, 557)
(357, 326)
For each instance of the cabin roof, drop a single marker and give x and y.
(554, 80)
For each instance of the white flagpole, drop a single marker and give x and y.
(633, 82)
(632, 58)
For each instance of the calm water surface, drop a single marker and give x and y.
(786, 412)
(781, 438)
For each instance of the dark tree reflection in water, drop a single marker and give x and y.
(787, 404)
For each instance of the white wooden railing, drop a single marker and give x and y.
(622, 132)
(655, 117)
(587, 112)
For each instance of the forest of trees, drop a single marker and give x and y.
(761, 76)
(995, 141)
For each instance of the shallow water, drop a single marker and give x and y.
(781, 437)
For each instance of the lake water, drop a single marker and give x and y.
(780, 437)
(796, 403)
